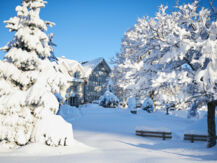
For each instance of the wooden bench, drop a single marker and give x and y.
(156, 134)
(195, 137)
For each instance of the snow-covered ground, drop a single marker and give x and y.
(108, 135)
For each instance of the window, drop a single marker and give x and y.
(77, 74)
(75, 89)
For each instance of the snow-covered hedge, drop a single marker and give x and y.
(69, 113)
(109, 100)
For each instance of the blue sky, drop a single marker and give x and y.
(86, 29)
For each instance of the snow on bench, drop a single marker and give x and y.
(195, 137)
(163, 133)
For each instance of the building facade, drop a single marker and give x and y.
(87, 81)
(97, 76)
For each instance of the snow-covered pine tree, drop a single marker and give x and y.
(28, 81)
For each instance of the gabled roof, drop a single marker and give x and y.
(89, 66)
(69, 67)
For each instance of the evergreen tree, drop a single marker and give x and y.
(28, 82)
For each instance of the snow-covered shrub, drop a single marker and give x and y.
(28, 82)
(69, 113)
(109, 100)
(148, 105)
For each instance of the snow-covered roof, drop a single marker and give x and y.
(89, 66)
(69, 67)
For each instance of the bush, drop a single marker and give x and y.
(148, 105)
(109, 100)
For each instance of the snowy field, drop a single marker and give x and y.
(108, 135)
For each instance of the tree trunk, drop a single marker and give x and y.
(211, 124)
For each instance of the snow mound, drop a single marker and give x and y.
(37, 149)
(69, 113)
(53, 130)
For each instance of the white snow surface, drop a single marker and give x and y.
(108, 135)
(53, 130)
(37, 150)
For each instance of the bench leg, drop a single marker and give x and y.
(192, 139)
(164, 137)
